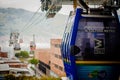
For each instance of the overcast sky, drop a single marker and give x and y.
(31, 5)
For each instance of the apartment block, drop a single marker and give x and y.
(50, 59)
(43, 55)
(56, 65)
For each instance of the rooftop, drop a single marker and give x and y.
(4, 67)
(8, 60)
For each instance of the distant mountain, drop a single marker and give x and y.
(12, 19)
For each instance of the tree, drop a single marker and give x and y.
(23, 77)
(34, 62)
(17, 55)
(10, 77)
(49, 78)
(22, 54)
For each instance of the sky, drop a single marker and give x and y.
(31, 5)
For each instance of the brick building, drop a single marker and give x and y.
(43, 55)
(3, 54)
(56, 65)
(50, 59)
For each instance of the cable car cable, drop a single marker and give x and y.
(30, 26)
(31, 19)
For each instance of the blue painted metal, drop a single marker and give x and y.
(78, 71)
(67, 42)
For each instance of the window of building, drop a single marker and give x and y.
(56, 66)
(58, 56)
(60, 68)
(57, 45)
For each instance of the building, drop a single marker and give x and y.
(13, 63)
(4, 69)
(43, 55)
(3, 54)
(13, 66)
(50, 59)
(57, 67)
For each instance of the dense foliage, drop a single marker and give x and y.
(22, 54)
(34, 61)
(23, 77)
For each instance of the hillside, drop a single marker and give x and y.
(12, 19)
